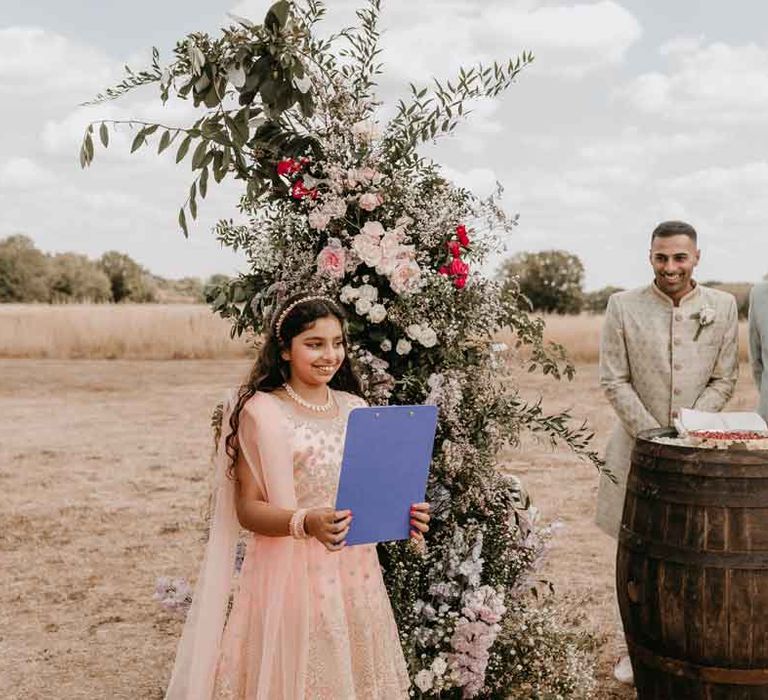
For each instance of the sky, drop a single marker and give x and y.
(633, 112)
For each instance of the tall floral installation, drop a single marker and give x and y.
(335, 202)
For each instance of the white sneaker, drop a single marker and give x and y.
(622, 671)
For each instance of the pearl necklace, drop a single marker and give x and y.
(319, 408)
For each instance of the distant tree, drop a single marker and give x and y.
(551, 280)
(128, 280)
(184, 290)
(596, 302)
(23, 270)
(74, 277)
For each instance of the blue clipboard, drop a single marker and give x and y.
(387, 452)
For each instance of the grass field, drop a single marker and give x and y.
(187, 331)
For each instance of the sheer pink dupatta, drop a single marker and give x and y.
(282, 635)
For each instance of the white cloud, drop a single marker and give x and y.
(715, 83)
(39, 61)
(481, 181)
(636, 146)
(749, 179)
(435, 37)
(24, 173)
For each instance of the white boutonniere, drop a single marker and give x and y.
(706, 317)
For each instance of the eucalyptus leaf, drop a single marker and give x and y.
(183, 222)
(138, 141)
(104, 134)
(199, 155)
(165, 141)
(183, 148)
(204, 182)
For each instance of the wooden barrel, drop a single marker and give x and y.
(692, 571)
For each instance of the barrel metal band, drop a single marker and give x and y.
(682, 555)
(688, 669)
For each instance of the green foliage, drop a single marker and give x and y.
(128, 280)
(75, 278)
(551, 280)
(23, 271)
(597, 301)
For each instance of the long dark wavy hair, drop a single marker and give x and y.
(271, 371)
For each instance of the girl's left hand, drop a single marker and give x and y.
(419, 521)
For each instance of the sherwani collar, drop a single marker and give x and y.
(691, 296)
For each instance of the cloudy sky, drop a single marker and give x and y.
(634, 111)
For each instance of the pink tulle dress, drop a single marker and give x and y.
(306, 622)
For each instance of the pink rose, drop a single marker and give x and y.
(373, 228)
(370, 200)
(405, 277)
(318, 219)
(366, 246)
(461, 234)
(331, 259)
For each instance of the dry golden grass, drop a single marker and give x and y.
(118, 331)
(188, 331)
(581, 336)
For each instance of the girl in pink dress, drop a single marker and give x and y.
(309, 618)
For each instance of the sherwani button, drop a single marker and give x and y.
(677, 391)
(678, 366)
(676, 341)
(678, 317)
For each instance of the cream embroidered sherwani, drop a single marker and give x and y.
(650, 366)
(758, 342)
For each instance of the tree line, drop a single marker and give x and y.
(550, 281)
(28, 275)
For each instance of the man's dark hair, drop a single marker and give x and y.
(667, 229)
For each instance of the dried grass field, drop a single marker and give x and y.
(104, 474)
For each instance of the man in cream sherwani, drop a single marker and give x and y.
(672, 344)
(758, 342)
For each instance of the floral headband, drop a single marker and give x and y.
(287, 310)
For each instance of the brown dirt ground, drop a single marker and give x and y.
(103, 483)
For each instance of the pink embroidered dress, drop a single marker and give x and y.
(304, 622)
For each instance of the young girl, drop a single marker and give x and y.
(310, 618)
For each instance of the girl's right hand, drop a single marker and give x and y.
(328, 526)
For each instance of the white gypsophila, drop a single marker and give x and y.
(423, 680)
(336, 208)
(386, 345)
(368, 291)
(377, 313)
(439, 666)
(363, 306)
(348, 293)
(403, 346)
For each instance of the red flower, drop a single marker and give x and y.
(460, 281)
(298, 191)
(458, 268)
(461, 234)
(287, 166)
(454, 249)
(443, 270)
